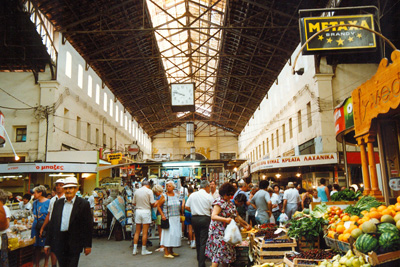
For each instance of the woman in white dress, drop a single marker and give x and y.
(171, 237)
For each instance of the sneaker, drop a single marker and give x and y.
(134, 252)
(146, 252)
(193, 244)
(188, 242)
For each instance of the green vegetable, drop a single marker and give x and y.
(367, 202)
(346, 195)
(319, 210)
(307, 228)
(353, 211)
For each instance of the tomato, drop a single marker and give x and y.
(338, 212)
(336, 217)
(341, 215)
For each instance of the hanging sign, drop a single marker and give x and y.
(340, 38)
(394, 183)
(114, 158)
(133, 149)
(344, 116)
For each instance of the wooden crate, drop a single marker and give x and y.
(295, 262)
(331, 242)
(271, 252)
(304, 246)
(378, 259)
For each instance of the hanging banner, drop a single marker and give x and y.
(47, 167)
(340, 38)
(302, 160)
(343, 115)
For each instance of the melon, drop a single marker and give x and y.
(387, 219)
(368, 227)
(397, 217)
(356, 233)
(366, 243)
(389, 241)
(387, 227)
(398, 225)
(374, 220)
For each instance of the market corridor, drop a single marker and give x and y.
(111, 253)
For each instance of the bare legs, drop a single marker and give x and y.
(38, 253)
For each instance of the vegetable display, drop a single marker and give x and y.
(366, 243)
(346, 195)
(365, 203)
(307, 228)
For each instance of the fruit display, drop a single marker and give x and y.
(348, 260)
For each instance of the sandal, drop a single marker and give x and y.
(160, 249)
(169, 256)
(175, 254)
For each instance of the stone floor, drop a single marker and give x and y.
(111, 253)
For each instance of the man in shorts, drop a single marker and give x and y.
(143, 199)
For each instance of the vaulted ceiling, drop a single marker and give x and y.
(232, 50)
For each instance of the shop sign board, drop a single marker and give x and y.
(378, 95)
(340, 38)
(343, 115)
(394, 183)
(2, 130)
(114, 158)
(133, 149)
(295, 161)
(47, 167)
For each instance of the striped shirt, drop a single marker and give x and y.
(174, 206)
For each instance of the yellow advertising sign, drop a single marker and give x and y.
(114, 158)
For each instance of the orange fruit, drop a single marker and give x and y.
(354, 218)
(360, 221)
(398, 199)
(346, 237)
(388, 212)
(340, 237)
(375, 214)
(391, 207)
(364, 212)
(340, 229)
(360, 227)
(381, 208)
(397, 207)
(373, 209)
(346, 218)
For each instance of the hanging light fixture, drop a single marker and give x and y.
(190, 132)
(278, 175)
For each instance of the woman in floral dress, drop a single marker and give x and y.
(223, 211)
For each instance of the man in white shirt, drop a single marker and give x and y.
(70, 228)
(199, 204)
(59, 194)
(213, 190)
(144, 201)
(291, 200)
(25, 204)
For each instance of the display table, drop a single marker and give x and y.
(271, 250)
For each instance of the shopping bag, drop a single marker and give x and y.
(232, 234)
(283, 218)
(272, 219)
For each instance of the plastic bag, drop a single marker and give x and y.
(283, 218)
(272, 219)
(232, 234)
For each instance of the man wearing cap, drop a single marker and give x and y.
(291, 200)
(143, 199)
(59, 194)
(70, 227)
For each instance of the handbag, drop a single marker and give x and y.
(39, 224)
(165, 223)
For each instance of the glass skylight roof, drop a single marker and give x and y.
(188, 35)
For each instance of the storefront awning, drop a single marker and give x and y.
(48, 167)
(295, 161)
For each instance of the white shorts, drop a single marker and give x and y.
(142, 216)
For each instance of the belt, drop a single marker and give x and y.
(200, 215)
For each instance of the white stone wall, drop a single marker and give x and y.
(210, 141)
(291, 94)
(64, 93)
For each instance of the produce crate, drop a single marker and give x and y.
(304, 246)
(303, 262)
(21, 257)
(379, 259)
(268, 251)
(330, 242)
(343, 246)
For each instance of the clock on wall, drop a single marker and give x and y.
(182, 97)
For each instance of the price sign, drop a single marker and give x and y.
(394, 183)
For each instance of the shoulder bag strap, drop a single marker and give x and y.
(167, 207)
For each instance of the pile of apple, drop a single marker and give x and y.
(334, 214)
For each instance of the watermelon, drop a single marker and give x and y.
(389, 241)
(387, 227)
(366, 243)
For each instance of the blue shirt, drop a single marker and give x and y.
(322, 193)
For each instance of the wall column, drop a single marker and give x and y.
(375, 192)
(364, 165)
